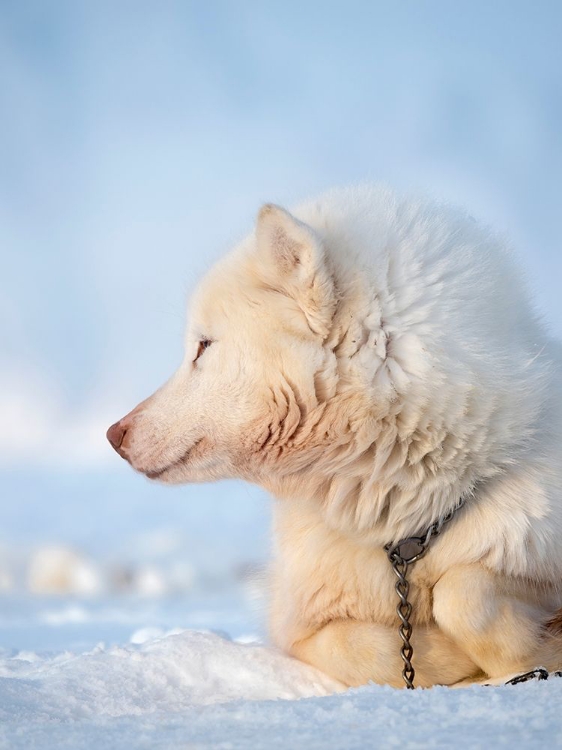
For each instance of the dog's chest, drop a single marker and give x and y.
(321, 576)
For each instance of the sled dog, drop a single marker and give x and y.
(371, 360)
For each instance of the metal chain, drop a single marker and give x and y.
(404, 610)
(401, 555)
(540, 673)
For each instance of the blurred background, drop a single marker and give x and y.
(137, 142)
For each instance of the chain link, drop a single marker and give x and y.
(401, 555)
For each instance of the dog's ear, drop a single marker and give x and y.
(292, 259)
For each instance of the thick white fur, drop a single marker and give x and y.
(373, 360)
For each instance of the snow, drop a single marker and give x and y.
(175, 672)
(189, 688)
(168, 676)
(127, 664)
(162, 645)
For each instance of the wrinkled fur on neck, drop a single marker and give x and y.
(401, 421)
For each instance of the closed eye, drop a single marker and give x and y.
(203, 344)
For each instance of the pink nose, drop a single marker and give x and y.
(116, 434)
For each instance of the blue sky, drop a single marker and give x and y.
(137, 141)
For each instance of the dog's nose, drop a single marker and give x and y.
(116, 434)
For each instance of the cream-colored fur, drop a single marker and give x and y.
(369, 360)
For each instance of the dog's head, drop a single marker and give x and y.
(254, 390)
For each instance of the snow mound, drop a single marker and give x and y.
(165, 674)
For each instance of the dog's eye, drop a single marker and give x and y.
(203, 344)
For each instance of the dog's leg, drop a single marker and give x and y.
(502, 634)
(359, 652)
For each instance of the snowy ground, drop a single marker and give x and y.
(156, 639)
(146, 684)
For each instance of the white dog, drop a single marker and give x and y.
(371, 361)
